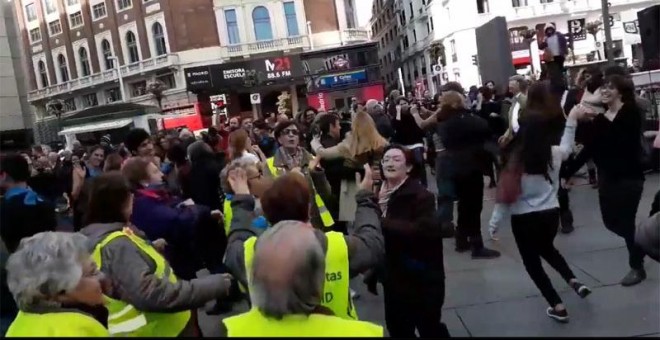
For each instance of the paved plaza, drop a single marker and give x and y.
(497, 297)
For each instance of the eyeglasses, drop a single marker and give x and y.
(294, 132)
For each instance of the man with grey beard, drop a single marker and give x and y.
(287, 275)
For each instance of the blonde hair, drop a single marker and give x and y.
(364, 136)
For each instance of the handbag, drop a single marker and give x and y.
(509, 187)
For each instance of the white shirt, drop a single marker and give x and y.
(249, 157)
(553, 45)
(514, 114)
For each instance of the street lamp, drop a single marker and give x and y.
(55, 107)
(115, 63)
(309, 34)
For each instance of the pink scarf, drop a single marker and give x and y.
(385, 194)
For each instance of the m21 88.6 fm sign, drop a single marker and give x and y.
(278, 68)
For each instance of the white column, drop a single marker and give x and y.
(429, 72)
(294, 98)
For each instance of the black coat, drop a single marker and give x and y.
(414, 264)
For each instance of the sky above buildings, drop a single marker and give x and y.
(363, 11)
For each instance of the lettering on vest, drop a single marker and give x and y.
(327, 297)
(330, 277)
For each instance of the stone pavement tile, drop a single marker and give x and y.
(499, 283)
(609, 311)
(455, 261)
(610, 266)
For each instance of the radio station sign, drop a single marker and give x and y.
(232, 74)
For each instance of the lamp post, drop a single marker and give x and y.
(309, 34)
(115, 63)
(605, 7)
(56, 107)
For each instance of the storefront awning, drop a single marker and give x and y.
(100, 126)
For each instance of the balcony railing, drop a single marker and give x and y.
(105, 76)
(256, 47)
(536, 9)
(353, 35)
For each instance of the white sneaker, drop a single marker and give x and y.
(354, 294)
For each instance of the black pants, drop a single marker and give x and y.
(470, 193)
(535, 233)
(404, 315)
(565, 212)
(619, 200)
(556, 70)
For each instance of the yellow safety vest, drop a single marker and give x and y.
(336, 292)
(254, 324)
(59, 324)
(326, 217)
(226, 210)
(126, 320)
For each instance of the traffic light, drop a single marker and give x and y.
(475, 60)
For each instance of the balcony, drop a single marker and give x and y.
(256, 47)
(354, 35)
(535, 10)
(423, 13)
(104, 77)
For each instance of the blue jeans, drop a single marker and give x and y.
(446, 189)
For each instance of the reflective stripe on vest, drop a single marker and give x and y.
(336, 292)
(254, 324)
(326, 217)
(226, 210)
(124, 318)
(58, 324)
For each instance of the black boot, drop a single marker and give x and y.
(566, 218)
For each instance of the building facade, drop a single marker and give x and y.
(456, 21)
(15, 115)
(404, 30)
(77, 51)
(385, 30)
(267, 40)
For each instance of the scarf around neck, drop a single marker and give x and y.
(386, 193)
(292, 160)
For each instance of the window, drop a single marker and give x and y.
(546, 1)
(35, 35)
(64, 70)
(106, 51)
(519, 3)
(76, 19)
(412, 13)
(124, 4)
(51, 6)
(43, 73)
(168, 80)
(131, 45)
(261, 20)
(85, 70)
(138, 89)
(98, 11)
(69, 104)
(415, 35)
(159, 38)
(55, 27)
(482, 6)
(31, 12)
(112, 95)
(291, 20)
(90, 100)
(232, 27)
(72, 2)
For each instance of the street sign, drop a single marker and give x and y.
(437, 69)
(255, 98)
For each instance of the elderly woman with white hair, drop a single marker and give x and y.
(57, 288)
(284, 305)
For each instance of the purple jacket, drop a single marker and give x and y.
(563, 44)
(159, 216)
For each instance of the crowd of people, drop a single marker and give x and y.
(283, 212)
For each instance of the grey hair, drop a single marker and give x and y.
(242, 163)
(44, 266)
(304, 288)
(522, 82)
